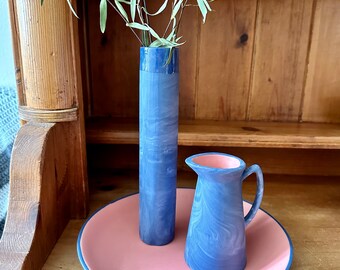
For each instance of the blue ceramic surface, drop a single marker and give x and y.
(158, 131)
(216, 235)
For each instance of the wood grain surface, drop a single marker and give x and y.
(224, 133)
(281, 49)
(45, 47)
(42, 181)
(251, 60)
(189, 62)
(114, 65)
(307, 207)
(322, 93)
(224, 61)
(17, 53)
(318, 162)
(33, 224)
(52, 80)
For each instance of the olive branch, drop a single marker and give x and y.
(135, 14)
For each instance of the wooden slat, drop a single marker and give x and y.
(322, 93)
(190, 30)
(114, 60)
(224, 62)
(117, 131)
(281, 48)
(76, 133)
(118, 157)
(227, 133)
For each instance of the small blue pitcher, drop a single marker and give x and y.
(216, 235)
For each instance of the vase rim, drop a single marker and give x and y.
(157, 48)
(224, 162)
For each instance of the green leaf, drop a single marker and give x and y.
(138, 26)
(160, 10)
(203, 9)
(133, 9)
(73, 11)
(167, 43)
(171, 35)
(145, 38)
(103, 15)
(174, 23)
(207, 5)
(176, 9)
(156, 43)
(177, 39)
(121, 10)
(125, 2)
(153, 33)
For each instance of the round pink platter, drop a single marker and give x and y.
(110, 239)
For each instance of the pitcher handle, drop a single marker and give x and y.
(259, 191)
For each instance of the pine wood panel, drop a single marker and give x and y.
(190, 30)
(71, 168)
(276, 160)
(76, 134)
(307, 207)
(116, 158)
(279, 64)
(224, 62)
(225, 133)
(114, 62)
(322, 94)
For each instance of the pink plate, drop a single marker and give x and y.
(110, 239)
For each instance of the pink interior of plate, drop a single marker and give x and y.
(217, 161)
(110, 239)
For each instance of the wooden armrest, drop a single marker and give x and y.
(39, 199)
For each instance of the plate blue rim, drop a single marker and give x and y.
(85, 267)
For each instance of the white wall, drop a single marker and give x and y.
(7, 72)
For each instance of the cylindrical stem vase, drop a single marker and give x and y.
(158, 133)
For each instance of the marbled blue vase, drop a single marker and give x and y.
(158, 132)
(216, 235)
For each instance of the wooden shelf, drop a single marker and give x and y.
(223, 133)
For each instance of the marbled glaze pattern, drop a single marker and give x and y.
(216, 234)
(158, 127)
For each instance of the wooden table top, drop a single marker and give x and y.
(307, 207)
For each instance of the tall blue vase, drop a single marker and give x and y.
(158, 132)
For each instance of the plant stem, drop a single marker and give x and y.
(180, 17)
(145, 38)
(167, 28)
(125, 21)
(147, 19)
(139, 13)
